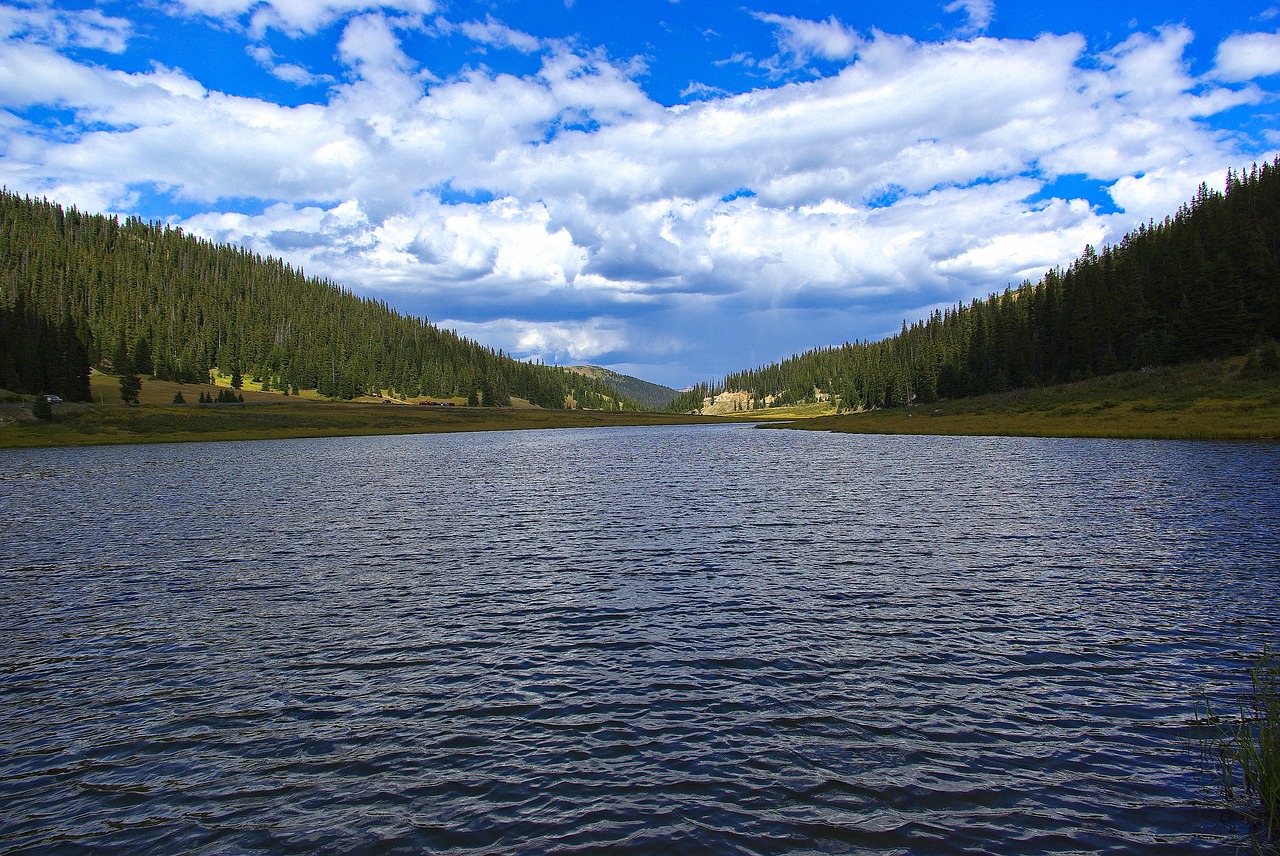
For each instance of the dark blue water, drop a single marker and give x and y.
(717, 640)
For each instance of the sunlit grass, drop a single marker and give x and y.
(793, 411)
(1210, 401)
(78, 424)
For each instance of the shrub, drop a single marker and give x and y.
(1263, 361)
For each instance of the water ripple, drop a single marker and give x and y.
(651, 641)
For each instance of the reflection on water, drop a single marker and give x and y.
(693, 639)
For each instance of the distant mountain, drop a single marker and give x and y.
(78, 290)
(648, 394)
(1203, 284)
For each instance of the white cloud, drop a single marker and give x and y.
(978, 13)
(570, 216)
(1159, 193)
(804, 39)
(286, 71)
(499, 35)
(296, 17)
(702, 91)
(369, 43)
(1248, 56)
(554, 343)
(61, 28)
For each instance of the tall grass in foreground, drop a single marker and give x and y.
(1246, 750)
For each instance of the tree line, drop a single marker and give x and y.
(1202, 284)
(80, 290)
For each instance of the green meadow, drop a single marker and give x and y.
(82, 425)
(1216, 400)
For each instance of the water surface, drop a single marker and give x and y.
(694, 639)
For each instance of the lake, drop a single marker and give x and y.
(691, 639)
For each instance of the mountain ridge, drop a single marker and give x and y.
(645, 392)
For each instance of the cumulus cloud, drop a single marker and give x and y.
(1248, 56)
(566, 215)
(369, 43)
(553, 343)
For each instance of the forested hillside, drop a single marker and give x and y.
(83, 289)
(653, 395)
(1204, 283)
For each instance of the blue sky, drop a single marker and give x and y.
(675, 190)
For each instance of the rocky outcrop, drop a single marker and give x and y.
(727, 403)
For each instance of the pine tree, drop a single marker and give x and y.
(130, 383)
(1203, 284)
(142, 362)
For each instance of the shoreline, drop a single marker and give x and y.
(109, 425)
(112, 424)
(1041, 425)
(1215, 400)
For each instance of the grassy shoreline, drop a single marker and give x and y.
(1200, 401)
(110, 424)
(271, 415)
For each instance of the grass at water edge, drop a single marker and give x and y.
(1245, 750)
(87, 425)
(1199, 401)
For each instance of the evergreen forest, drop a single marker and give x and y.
(1202, 284)
(81, 290)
